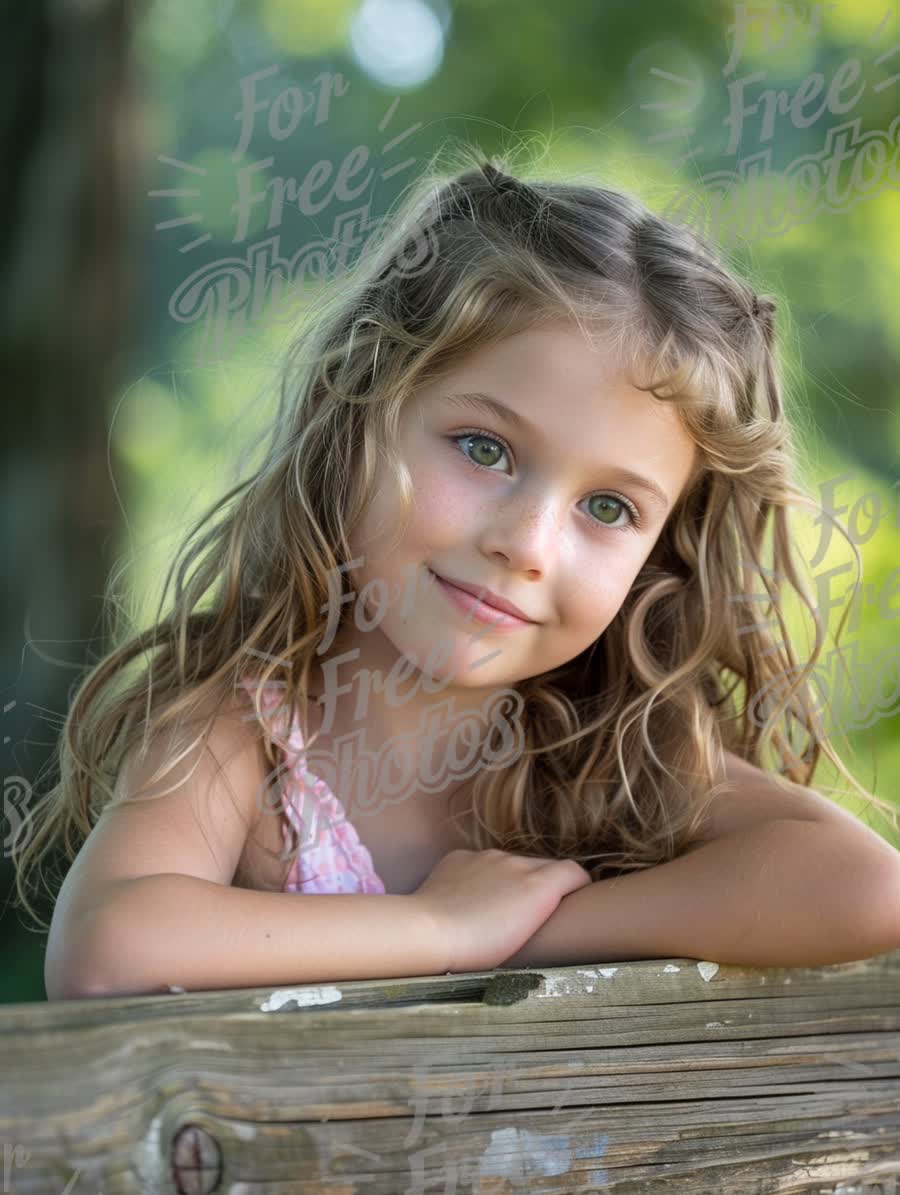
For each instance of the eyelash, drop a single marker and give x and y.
(633, 511)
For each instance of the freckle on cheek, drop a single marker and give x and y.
(436, 505)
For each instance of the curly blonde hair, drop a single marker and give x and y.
(622, 743)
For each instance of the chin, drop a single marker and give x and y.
(454, 667)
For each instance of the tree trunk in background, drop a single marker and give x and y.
(69, 155)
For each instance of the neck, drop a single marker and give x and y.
(398, 739)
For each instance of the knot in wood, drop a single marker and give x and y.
(196, 1161)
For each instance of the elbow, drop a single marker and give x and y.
(78, 965)
(860, 878)
(108, 946)
(885, 904)
(67, 978)
(73, 988)
(80, 981)
(108, 951)
(70, 973)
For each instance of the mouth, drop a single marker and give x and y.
(483, 604)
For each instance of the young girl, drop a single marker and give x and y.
(446, 688)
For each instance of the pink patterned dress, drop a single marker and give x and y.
(330, 857)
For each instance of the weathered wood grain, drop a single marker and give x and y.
(655, 1075)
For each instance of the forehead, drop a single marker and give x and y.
(537, 367)
(536, 364)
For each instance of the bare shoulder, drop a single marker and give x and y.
(184, 805)
(752, 795)
(188, 802)
(221, 727)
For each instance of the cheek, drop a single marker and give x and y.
(597, 595)
(443, 503)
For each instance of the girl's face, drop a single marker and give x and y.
(536, 507)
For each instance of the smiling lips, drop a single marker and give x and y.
(486, 598)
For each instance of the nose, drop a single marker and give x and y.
(526, 533)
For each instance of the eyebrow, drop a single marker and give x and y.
(493, 406)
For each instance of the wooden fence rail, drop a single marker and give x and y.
(668, 1075)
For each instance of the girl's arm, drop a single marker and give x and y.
(180, 930)
(149, 902)
(776, 893)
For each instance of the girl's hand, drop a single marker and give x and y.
(487, 904)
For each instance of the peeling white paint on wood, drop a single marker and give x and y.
(559, 985)
(707, 970)
(240, 1128)
(515, 1153)
(303, 997)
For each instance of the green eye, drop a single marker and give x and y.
(486, 447)
(608, 504)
